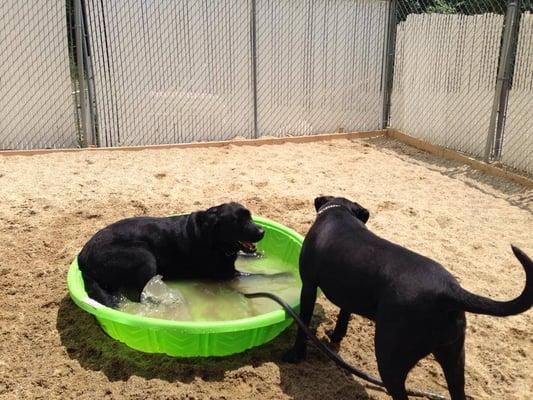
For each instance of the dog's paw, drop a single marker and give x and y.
(293, 356)
(334, 339)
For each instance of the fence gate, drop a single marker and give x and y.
(171, 71)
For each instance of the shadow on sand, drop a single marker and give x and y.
(86, 342)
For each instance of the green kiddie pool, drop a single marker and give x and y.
(190, 338)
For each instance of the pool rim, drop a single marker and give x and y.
(79, 296)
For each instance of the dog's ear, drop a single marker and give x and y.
(361, 213)
(320, 201)
(207, 220)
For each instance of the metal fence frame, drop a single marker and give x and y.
(493, 147)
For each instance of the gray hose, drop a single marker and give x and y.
(332, 355)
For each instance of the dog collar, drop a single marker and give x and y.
(325, 208)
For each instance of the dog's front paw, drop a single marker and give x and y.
(334, 338)
(293, 356)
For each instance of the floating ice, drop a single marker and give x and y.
(158, 292)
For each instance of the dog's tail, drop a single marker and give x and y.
(481, 305)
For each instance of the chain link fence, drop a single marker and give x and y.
(446, 66)
(172, 72)
(319, 65)
(115, 73)
(456, 83)
(37, 94)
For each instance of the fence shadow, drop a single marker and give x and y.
(86, 342)
(514, 193)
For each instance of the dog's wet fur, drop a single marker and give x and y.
(417, 305)
(122, 257)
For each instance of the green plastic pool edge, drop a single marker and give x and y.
(188, 338)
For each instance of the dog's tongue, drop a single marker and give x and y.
(248, 245)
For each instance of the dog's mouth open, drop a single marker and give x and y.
(247, 247)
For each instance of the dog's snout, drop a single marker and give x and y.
(260, 233)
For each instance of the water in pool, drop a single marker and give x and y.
(194, 300)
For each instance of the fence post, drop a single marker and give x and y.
(499, 105)
(81, 72)
(388, 63)
(90, 78)
(253, 33)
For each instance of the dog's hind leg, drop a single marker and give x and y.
(143, 269)
(341, 327)
(307, 304)
(96, 292)
(451, 357)
(398, 349)
(126, 268)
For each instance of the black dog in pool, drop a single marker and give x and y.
(124, 256)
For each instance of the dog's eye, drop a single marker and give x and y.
(243, 215)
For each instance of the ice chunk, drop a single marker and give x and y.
(158, 292)
(159, 300)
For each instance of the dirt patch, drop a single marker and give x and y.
(51, 204)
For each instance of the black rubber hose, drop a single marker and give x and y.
(332, 355)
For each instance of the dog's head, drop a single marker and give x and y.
(356, 209)
(230, 227)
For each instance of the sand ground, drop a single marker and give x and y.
(51, 204)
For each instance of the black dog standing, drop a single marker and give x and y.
(418, 306)
(124, 256)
